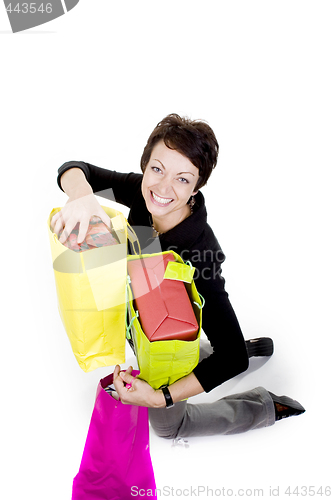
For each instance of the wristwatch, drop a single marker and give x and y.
(167, 395)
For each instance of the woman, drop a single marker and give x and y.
(167, 207)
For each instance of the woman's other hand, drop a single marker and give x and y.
(134, 391)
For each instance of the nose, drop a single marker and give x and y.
(164, 186)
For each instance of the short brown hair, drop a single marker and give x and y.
(192, 138)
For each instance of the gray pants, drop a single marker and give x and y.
(230, 415)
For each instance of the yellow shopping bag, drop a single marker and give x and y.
(163, 362)
(91, 291)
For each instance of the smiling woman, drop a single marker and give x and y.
(168, 183)
(177, 161)
(167, 202)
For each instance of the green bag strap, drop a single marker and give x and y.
(128, 327)
(131, 234)
(189, 263)
(202, 300)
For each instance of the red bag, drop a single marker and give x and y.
(116, 463)
(165, 309)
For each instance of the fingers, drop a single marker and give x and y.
(64, 223)
(57, 223)
(70, 224)
(54, 220)
(116, 378)
(119, 383)
(77, 211)
(105, 218)
(129, 370)
(125, 377)
(128, 378)
(132, 390)
(84, 226)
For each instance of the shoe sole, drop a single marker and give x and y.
(262, 346)
(286, 401)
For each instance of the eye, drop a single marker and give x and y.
(156, 169)
(183, 180)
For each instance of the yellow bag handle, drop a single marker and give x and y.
(180, 272)
(131, 234)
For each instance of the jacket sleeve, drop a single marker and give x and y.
(221, 326)
(115, 186)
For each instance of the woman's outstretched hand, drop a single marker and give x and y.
(78, 210)
(133, 391)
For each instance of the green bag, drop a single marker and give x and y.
(163, 362)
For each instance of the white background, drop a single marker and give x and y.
(91, 86)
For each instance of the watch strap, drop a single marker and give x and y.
(168, 398)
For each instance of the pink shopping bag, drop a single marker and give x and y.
(116, 463)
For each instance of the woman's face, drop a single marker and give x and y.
(168, 182)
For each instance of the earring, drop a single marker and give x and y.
(192, 203)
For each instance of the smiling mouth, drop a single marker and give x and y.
(159, 200)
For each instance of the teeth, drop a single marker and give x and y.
(161, 200)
